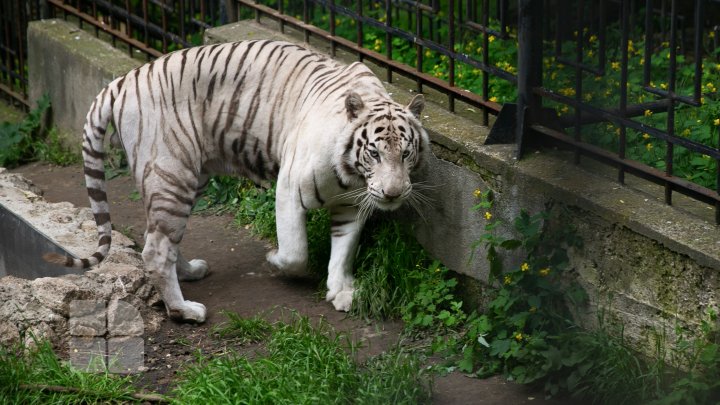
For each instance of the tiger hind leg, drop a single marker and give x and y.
(168, 209)
(192, 270)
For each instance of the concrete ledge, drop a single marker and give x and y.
(72, 66)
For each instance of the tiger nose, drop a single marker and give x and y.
(391, 194)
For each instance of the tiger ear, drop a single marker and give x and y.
(417, 104)
(353, 104)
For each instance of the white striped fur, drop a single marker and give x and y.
(329, 133)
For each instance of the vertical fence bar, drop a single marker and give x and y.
(360, 33)
(333, 45)
(648, 42)
(128, 26)
(671, 99)
(486, 59)
(418, 48)
(697, 50)
(451, 59)
(529, 67)
(388, 37)
(579, 35)
(624, 42)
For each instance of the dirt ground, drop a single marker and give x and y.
(240, 281)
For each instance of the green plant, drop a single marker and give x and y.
(520, 331)
(52, 150)
(700, 356)
(19, 141)
(433, 306)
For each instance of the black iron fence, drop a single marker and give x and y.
(631, 83)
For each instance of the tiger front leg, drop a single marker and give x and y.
(345, 234)
(291, 256)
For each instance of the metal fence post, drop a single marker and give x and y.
(529, 67)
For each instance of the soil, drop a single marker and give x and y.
(240, 281)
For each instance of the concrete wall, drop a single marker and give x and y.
(651, 265)
(72, 66)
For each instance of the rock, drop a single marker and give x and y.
(124, 319)
(9, 333)
(87, 318)
(55, 293)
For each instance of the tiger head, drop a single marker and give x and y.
(386, 144)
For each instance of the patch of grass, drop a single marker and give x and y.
(38, 376)
(242, 330)
(387, 257)
(304, 364)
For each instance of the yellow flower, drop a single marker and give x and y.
(568, 91)
(588, 96)
(646, 135)
(649, 147)
(642, 61)
(615, 65)
(663, 86)
(716, 122)
(686, 132)
(544, 272)
(518, 336)
(428, 53)
(477, 193)
(702, 100)
(524, 267)
(590, 53)
(494, 99)
(648, 113)
(491, 38)
(507, 279)
(592, 38)
(488, 215)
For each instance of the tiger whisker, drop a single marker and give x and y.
(416, 205)
(350, 195)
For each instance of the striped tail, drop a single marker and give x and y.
(96, 124)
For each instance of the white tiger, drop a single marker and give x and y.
(329, 133)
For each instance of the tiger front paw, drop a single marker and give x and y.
(342, 301)
(287, 267)
(188, 311)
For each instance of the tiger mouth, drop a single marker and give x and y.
(386, 204)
